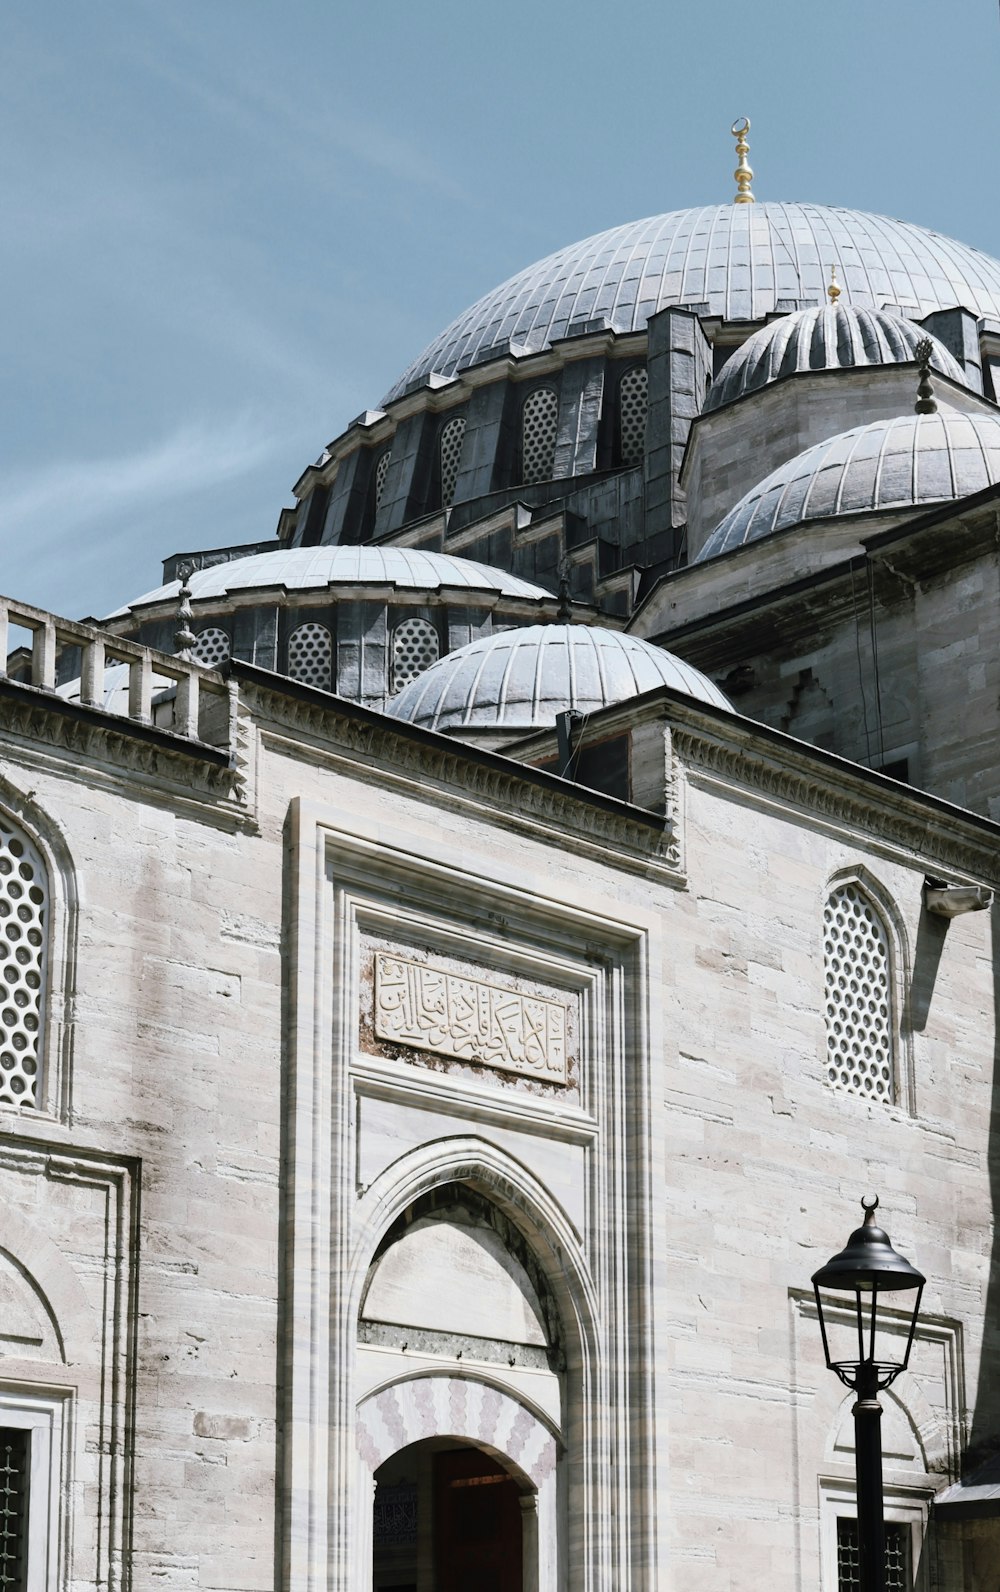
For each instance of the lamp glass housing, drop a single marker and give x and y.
(860, 1342)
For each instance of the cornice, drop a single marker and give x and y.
(420, 763)
(924, 829)
(40, 730)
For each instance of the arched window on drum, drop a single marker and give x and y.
(539, 415)
(310, 655)
(24, 937)
(632, 391)
(415, 646)
(449, 456)
(860, 1025)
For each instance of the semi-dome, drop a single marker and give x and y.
(889, 464)
(520, 679)
(313, 569)
(740, 260)
(826, 337)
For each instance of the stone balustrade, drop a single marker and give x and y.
(165, 692)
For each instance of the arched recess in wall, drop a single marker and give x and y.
(865, 968)
(38, 925)
(539, 417)
(476, 1329)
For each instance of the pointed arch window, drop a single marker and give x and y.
(539, 415)
(857, 957)
(632, 395)
(24, 933)
(310, 655)
(415, 646)
(450, 446)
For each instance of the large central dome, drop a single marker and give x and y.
(740, 260)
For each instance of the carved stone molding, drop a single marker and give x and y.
(905, 823)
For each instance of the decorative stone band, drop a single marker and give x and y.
(460, 1407)
(467, 1018)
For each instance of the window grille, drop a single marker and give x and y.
(538, 434)
(211, 646)
(897, 1557)
(24, 915)
(858, 996)
(310, 655)
(381, 471)
(451, 452)
(13, 1509)
(632, 415)
(415, 647)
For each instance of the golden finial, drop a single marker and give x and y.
(833, 291)
(743, 172)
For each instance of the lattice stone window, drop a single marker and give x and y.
(450, 444)
(211, 646)
(310, 655)
(415, 646)
(13, 1509)
(858, 996)
(24, 912)
(381, 471)
(632, 414)
(538, 434)
(898, 1577)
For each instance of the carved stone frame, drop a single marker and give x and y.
(608, 1535)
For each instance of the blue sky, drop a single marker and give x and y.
(229, 224)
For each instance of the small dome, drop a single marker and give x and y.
(828, 337)
(740, 260)
(889, 464)
(315, 568)
(520, 679)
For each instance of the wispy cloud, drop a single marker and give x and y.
(40, 507)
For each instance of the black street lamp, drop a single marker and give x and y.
(867, 1268)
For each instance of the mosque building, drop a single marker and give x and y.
(465, 958)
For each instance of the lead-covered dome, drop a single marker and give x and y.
(312, 569)
(827, 337)
(889, 464)
(520, 679)
(740, 260)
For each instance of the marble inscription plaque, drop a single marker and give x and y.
(469, 1019)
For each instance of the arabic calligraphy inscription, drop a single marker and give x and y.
(469, 1019)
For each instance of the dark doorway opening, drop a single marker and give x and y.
(448, 1518)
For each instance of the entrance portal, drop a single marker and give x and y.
(448, 1518)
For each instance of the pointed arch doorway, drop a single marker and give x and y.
(448, 1517)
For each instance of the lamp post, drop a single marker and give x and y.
(866, 1268)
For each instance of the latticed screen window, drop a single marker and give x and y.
(858, 996)
(381, 471)
(538, 434)
(415, 647)
(211, 646)
(898, 1576)
(24, 913)
(452, 434)
(310, 655)
(632, 415)
(13, 1509)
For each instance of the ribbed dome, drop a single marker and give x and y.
(739, 259)
(520, 679)
(889, 464)
(313, 568)
(829, 337)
